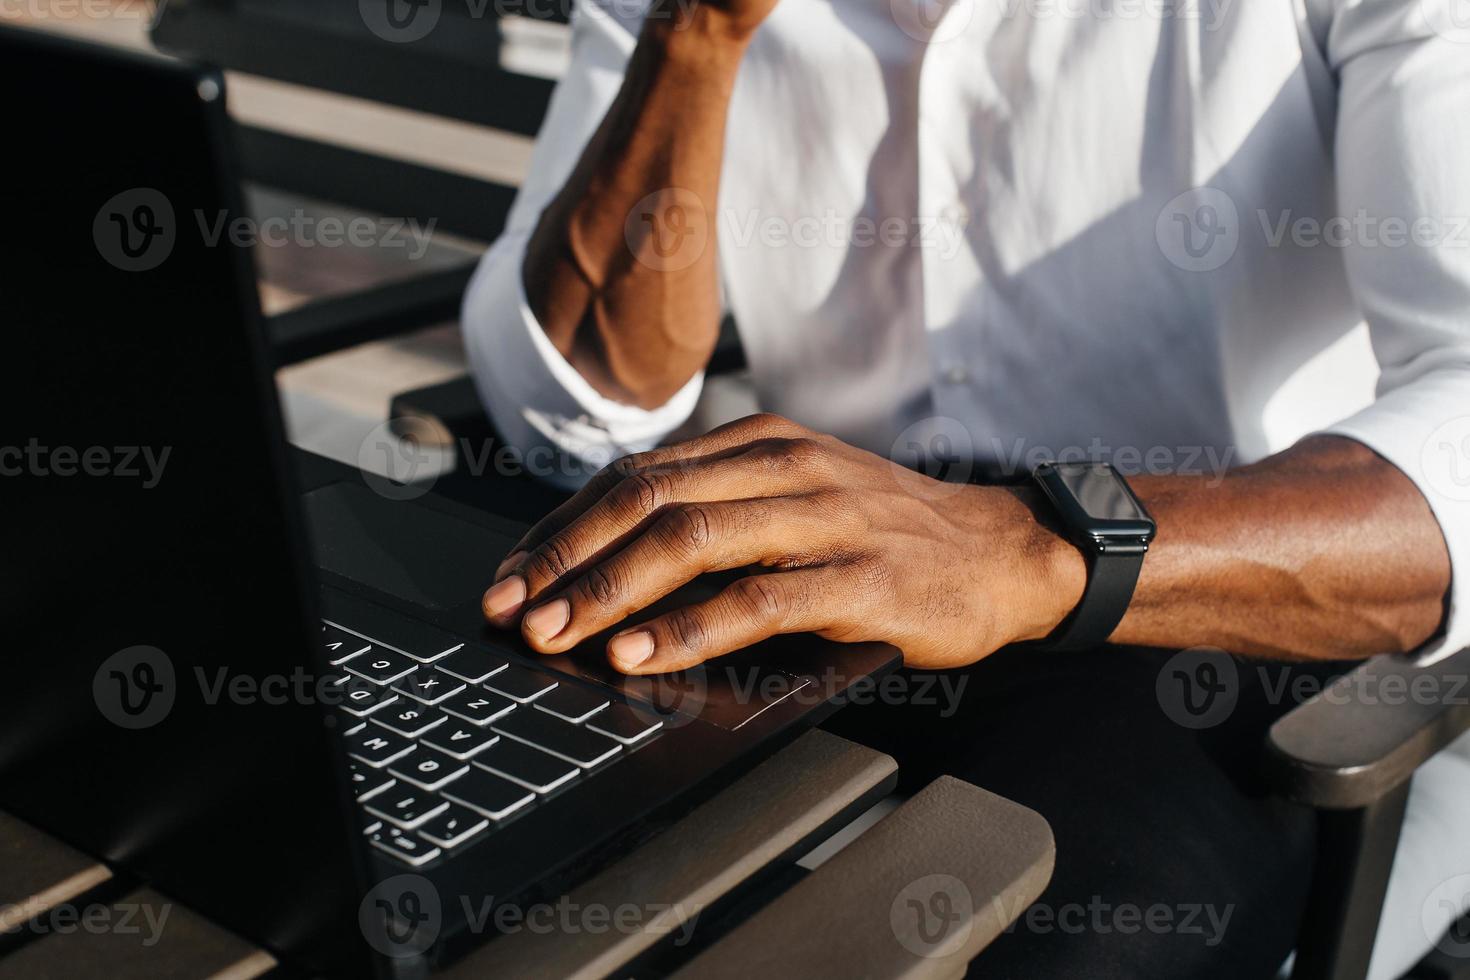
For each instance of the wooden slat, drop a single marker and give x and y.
(142, 936)
(437, 142)
(760, 818)
(38, 873)
(345, 121)
(920, 894)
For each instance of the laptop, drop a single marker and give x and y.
(240, 673)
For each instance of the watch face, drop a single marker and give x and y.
(1096, 505)
(1100, 492)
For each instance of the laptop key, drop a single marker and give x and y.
(367, 783)
(574, 704)
(488, 794)
(406, 807)
(410, 719)
(382, 666)
(428, 769)
(520, 683)
(429, 686)
(560, 738)
(341, 645)
(624, 724)
(472, 664)
(477, 707)
(423, 644)
(362, 699)
(453, 827)
(460, 740)
(412, 851)
(429, 653)
(377, 748)
(522, 764)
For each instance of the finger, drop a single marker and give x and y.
(719, 441)
(683, 542)
(770, 467)
(507, 595)
(748, 611)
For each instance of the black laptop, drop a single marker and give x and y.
(238, 672)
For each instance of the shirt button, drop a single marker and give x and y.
(955, 373)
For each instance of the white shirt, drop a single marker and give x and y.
(1014, 229)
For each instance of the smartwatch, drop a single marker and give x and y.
(1101, 516)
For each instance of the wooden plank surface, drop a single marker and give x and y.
(38, 873)
(762, 817)
(141, 936)
(920, 894)
(384, 130)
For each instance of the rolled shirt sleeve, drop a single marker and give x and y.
(1403, 161)
(541, 405)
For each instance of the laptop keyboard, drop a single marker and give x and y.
(447, 745)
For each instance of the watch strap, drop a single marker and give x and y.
(1111, 580)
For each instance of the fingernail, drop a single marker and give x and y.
(505, 597)
(510, 563)
(631, 649)
(548, 620)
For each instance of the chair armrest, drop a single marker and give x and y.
(435, 415)
(1366, 733)
(337, 322)
(920, 894)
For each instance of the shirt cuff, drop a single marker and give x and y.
(1412, 429)
(563, 428)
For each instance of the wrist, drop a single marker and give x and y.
(1052, 570)
(700, 36)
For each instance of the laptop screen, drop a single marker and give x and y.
(148, 531)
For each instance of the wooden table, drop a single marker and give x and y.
(918, 894)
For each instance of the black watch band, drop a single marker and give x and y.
(1100, 514)
(1111, 580)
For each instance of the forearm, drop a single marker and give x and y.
(638, 326)
(1325, 551)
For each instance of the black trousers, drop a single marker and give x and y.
(1173, 859)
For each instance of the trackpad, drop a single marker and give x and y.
(442, 564)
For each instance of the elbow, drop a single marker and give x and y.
(1417, 624)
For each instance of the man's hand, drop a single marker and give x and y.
(839, 542)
